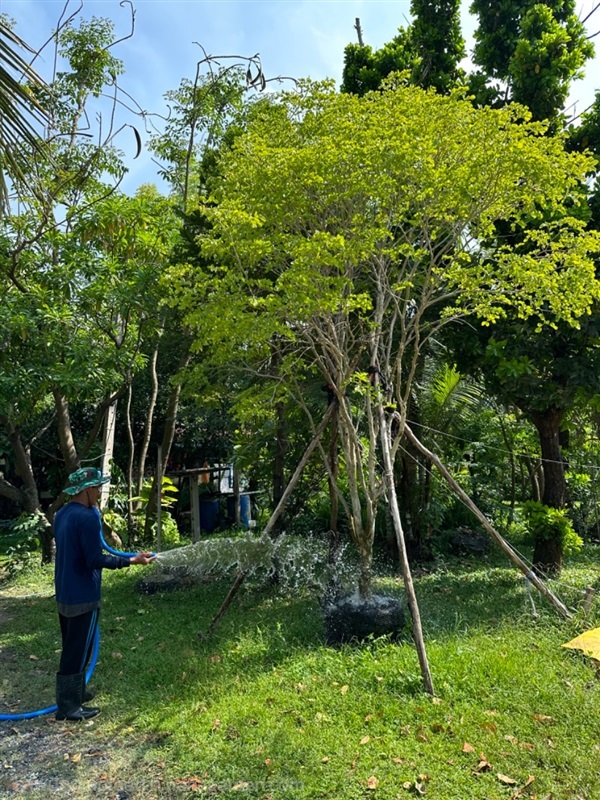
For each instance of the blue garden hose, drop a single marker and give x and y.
(110, 549)
(52, 709)
(95, 651)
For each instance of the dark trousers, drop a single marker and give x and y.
(77, 641)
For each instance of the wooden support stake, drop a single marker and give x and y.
(195, 495)
(159, 499)
(406, 574)
(456, 488)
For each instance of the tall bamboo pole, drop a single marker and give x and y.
(406, 574)
(456, 488)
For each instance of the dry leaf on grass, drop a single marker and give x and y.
(421, 735)
(489, 727)
(543, 718)
(372, 783)
(365, 739)
(344, 689)
(468, 748)
(506, 780)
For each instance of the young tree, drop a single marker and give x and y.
(343, 223)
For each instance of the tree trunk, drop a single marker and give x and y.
(148, 425)
(548, 553)
(365, 558)
(281, 448)
(334, 501)
(65, 434)
(168, 436)
(108, 450)
(29, 495)
(533, 470)
(130, 459)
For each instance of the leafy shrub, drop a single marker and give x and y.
(20, 538)
(546, 523)
(169, 532)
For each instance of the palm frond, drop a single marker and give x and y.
(21, 115)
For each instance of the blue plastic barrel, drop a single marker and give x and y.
(245, 510)
(209, 514)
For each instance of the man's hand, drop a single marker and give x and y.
(142, 558)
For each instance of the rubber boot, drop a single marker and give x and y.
(69, 694)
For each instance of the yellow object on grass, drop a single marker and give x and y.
(589, 642)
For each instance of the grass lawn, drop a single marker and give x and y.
(264, 710)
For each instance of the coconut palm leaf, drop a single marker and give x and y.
(20, 113)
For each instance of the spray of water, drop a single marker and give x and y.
(298, 562)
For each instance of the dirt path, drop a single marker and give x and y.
(44, 758)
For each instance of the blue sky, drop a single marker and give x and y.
(301, 38)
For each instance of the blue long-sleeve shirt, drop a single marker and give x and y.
(80, 559)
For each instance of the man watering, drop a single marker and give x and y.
(78, 578)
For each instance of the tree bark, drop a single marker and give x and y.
(29, 497)
(281, 448)
(168, 435)
(65, 434)
(334, 501)
(130, 459)
(148, 423)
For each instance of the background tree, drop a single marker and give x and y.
(429, 49)
(529, 52)
(74, 304)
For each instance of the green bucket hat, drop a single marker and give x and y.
(83, 478)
